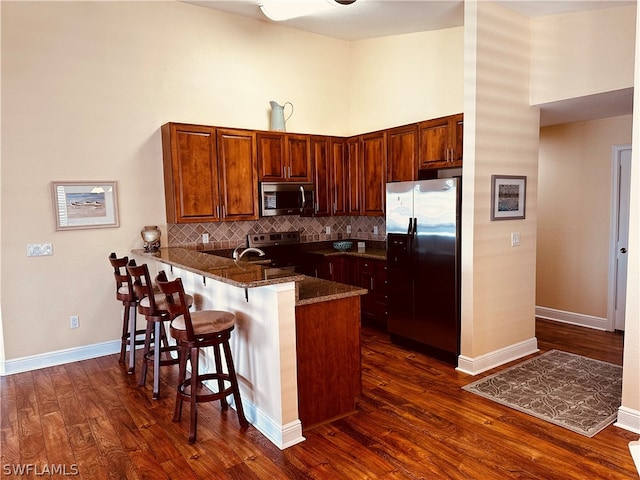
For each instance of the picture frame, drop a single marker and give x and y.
(84, 205)
(508, 197)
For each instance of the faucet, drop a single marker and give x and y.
(238, 255)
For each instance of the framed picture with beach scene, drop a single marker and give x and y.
(81, 205)
(508, 197)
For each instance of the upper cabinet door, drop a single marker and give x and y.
(298, 158)
(320, 152)
(353, 176)
(373, 174)
(339, 165)
(190, 171)
(440, 142)
(237, 174)
(402, 153)
(283, 157)
(271, 162)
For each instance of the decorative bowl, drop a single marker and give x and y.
(343, 245)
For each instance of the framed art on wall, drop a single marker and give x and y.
(508, 197)
(82, 205)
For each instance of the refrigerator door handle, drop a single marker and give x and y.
(415, 226)
(409, 228)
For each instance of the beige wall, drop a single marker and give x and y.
(577, 54)
(574, 210)
(85, 88)
(501, 137)
(405, 78)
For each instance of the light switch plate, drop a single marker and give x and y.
(515, 239)
(39, 249)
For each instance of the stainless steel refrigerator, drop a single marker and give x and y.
(423, 265)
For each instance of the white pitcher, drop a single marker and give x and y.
(277, 116)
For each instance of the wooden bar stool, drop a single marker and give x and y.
(126, 295)
(152, 304)
(193, 331)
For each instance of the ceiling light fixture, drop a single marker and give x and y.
(280, 10)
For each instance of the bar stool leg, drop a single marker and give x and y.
(234, 385)
(193, 400)
(125, 328)
(216, 354)
(147, 349)
(132, 340)
(156, 359)
(182, 373)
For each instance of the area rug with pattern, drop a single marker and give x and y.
(568, 390)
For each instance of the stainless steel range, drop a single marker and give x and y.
(283, 249)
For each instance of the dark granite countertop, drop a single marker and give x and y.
(245, 274)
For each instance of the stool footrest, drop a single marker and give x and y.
(169, 361)
(206, 397)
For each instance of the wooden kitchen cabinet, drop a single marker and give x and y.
(373, 174)
(352, 176)
(328, 360)
(339, 169)
(372, 275)
(321, 161)
(209, 174)
(440, 142)
(334, 268)
(284, 157)
(402, 153)
(237, 173)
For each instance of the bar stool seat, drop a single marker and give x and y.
(193, 331)
(126, 295)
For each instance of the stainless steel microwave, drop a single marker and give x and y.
(286, 198)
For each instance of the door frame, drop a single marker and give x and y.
(613, 230)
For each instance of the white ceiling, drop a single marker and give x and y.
(378, 18)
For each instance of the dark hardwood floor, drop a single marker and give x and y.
(413, 421)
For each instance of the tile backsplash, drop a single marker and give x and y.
(232, 234)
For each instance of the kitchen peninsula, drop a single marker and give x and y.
(296, 345)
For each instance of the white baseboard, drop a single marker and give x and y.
(51, 359)
(474, 366)
(572, 318)
(282, 436)
(628, 419)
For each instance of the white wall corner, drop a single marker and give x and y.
(474, 366)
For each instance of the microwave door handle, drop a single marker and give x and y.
(302, 198)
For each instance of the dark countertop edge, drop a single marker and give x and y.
(329, 297)
(204, 273)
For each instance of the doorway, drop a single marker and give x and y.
(619, 236)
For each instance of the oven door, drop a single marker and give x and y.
(286, 199)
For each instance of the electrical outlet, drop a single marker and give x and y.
(375, 230)
(327, 230)
(74, 321)
(39, 249)
(348, 228)
(205, 238)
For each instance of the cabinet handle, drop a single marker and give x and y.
(224, 210)
(371, 284)
(218, 211)
(331, 269)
